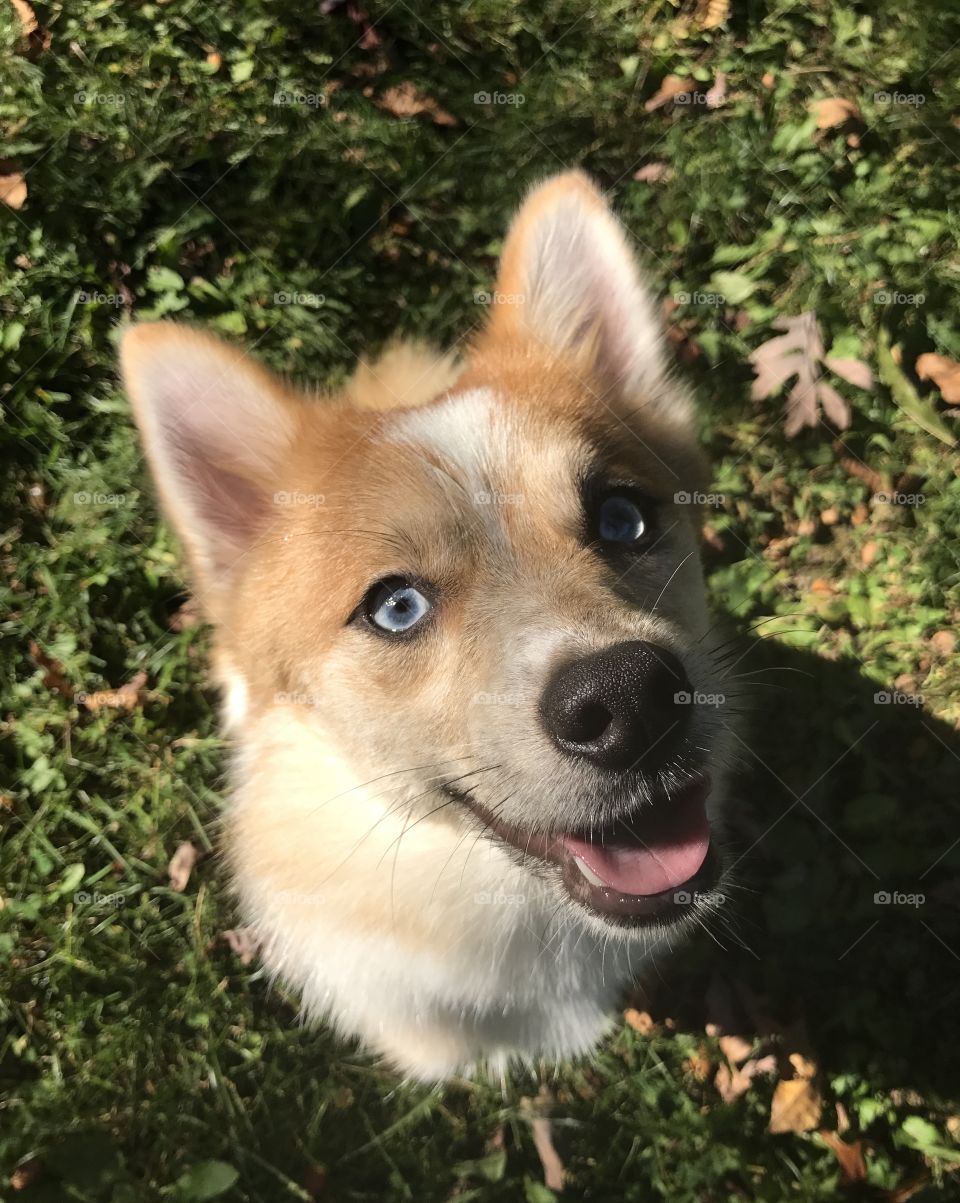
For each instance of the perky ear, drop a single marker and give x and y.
(216, 428)
(569, 281)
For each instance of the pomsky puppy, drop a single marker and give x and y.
(461, 635)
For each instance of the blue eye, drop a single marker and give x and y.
(620, 519)
(396, 606)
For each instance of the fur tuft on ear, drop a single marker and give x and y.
(569, 281)
(216, 428)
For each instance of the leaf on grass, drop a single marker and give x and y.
(13, 190)
(243, 941)
(944, 372)
(717, 94)
(406, 100)
(799, 352)
(181, 865)
(905, 395)
(796, 1106)
(38, 37)
(735, 1048)
(54, 674)
(853, 1168)
(715, 13)
(640, 1021)
(673, 85)
(537, 1110)
(207, 1180)
(834, 111)
(654, 173)
(127, 697)
(731, 1083)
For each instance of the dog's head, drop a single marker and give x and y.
(497, 590)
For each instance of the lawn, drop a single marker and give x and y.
(309, 182)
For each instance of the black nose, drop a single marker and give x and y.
(620, 708)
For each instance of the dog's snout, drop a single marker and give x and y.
(619, 708)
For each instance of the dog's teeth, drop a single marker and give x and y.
(587, 871)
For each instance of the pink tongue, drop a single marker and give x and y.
(661, 858)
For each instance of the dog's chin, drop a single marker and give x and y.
(655, 867)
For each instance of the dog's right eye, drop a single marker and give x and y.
(395, 606)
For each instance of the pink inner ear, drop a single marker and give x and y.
(229, 509)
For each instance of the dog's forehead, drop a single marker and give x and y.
(488, 447)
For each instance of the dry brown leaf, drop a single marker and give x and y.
(869, 552)
(798, 352)
(54, 676)
(640, 1021)
(181, 865)
(13, 190)
(803, 1067)
(944, 372)
(735, 1048)
(713, 13)
(127, 697)
(853, 1168)
(732, 1083)
(406, 100)
(833, 111)
(768, 79)
(537, 1110)
(943, 642)
(243, 941)
(654, 173)
(854, 371)
(717, 94)
(673, 85)
(796, 1106)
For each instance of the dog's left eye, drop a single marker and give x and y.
(396, 606)
(620, 518)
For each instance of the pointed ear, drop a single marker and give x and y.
(216, 428)
(569, 281)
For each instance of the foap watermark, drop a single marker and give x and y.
(706, 299)
(308, 300)
(294, 698)
(316, 500)
(514, 98)
(909, 98)
(686, 697)
(498, 298)
(887, 296)
(104, 500)
(898, 898)
(692, 897)
(712, 499)
(497, 699)
(111, 902)
(893, 697)
(497, 498)
(899, 498)
(299, 97)
(102, 99)
(92, 296)
(498, 898)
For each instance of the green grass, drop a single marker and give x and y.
(135, 1047)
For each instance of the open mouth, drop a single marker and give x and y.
(649, 865)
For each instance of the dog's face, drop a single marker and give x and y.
(497, 592)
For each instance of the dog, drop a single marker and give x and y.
(461, 634)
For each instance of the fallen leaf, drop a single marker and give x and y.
(243, 941)
(716, 95)
(735, 1048)
(181, 865)
(803, 1067)
(673, 85)
(943, 642)
(13, 190)
(796, 1106)
(859, 514)
(38, 37)
(944, 372)
(768, 79)
(406, 100)
(127, 697)
(833, 111)
(640, 1021)
(537, 1112)
(854, 371)
(654, 173)
(732, 1083)
(869, 552)
(830, 517)
(715, 14)
(919, 410)
(853, 1168)
(54, 676)
(798, 352)
(821, 585)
